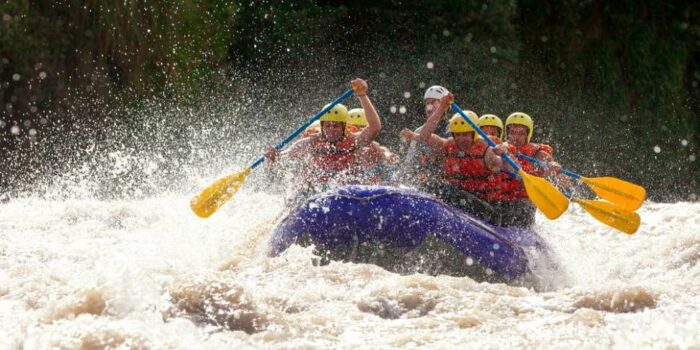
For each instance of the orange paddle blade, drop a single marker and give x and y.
(209, 200)
(544, 195)
(623, 193)
(612, 215)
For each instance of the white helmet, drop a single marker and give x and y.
(435, 91)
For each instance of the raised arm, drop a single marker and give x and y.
(374, 125)
(426, 135)
(434, 119)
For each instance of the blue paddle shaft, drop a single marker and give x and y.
(300, 129)
(483, 135)
(568, 173)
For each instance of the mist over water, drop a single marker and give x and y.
(106, 253)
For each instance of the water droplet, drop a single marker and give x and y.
(6, 17)
(27, 123)
(14, 130)
(421, 85)
(684, 142)
(429, 65)
(15, 77)
(494, 60)
(496, 246)
(470, 261)
(657, 149)
(402, 110)
(489, 272)
(544, 38)
(406, 94)
(446, 32)
(470, 36)
(2, 124)
(33, 109)
(623, 118)
(32, 132)
(493, 49)
(693, 197)
(42, 75)
(5, 60)
(392, 109)
(691, 158)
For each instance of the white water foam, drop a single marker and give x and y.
(96, 274)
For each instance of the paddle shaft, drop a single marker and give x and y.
(483, 135)
(568, 173)
(300, 129)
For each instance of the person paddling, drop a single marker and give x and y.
(468, 164)
(328, 159)
(513, 200)
(419, 165)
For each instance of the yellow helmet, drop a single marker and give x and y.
(491, 120)
(339, 113)
(356, 116)
(520, 118)
(457, 124)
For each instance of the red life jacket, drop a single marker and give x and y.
(501, 178)
(467, 169)
(332, 159)
(512, 188)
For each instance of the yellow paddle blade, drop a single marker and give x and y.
(612, 215)
(623, 193)
(209, 200)
(544, 195)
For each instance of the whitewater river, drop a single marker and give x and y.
(148, 274)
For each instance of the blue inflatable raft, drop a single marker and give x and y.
(406, 231)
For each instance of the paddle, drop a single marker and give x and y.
(620, 192)
(214, 196)
(543, 194)
(611, 214)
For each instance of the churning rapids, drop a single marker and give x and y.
(148, 274)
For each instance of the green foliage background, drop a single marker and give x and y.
(606, 82)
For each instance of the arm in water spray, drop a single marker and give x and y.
(297, 151)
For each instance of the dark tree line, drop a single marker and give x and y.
(614, 85)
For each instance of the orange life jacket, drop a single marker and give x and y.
(467, 169)
(512, 188)
(332, 159)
